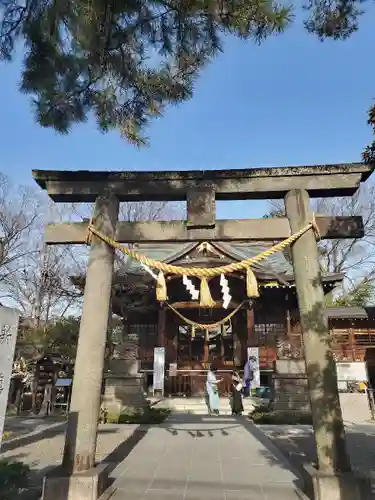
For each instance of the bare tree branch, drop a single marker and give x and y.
(353, 257)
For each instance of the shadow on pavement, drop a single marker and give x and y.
(199, 426)
(119, 454)
(26, 440)
(44, 434)
(113, 459)
(299, 447)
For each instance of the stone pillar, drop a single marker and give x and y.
(320, 366)
(80, 444)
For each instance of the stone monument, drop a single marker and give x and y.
(123, 382)
(9, 319)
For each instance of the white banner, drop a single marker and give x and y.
(355, 371)
(159, 367)
(9, 319)
(253, 357)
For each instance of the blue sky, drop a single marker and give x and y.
(291, 101)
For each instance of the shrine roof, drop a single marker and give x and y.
(277, 263)
(171, 253)
(350, 312)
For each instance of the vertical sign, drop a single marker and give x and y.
(253, 357)
(8, 335)
(159, 366)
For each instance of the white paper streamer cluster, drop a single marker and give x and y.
(190, 287)
(225, 291)
(149, 270)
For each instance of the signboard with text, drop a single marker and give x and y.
(159, 367)
(9, 319)
(173, 370)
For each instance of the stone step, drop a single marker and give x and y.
(196, 406)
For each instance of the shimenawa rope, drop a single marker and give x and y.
(203, 273)
(209, 272)
(206, 326)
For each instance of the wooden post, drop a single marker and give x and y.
(161, 327)
(125, 327)
(320, 366)
(250, 327)
(222, 348)
(352, 342)
(288, 317)
(237, 340)
(206, 351)
(80, 443)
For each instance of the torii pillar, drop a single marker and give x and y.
(331, 480)
(79, 478)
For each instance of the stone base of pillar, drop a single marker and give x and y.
(291, 394)
(320, 486)
(88, 485)
(123, 391)
(290, 386)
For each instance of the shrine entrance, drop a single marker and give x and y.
(300, 230)
(198, 348)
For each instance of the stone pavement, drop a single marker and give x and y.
(43, 451)
(191, 457)
(16, 427)
(297, 444)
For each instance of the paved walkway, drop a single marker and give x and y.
(42, 449)
(195, 457)
(297, 443)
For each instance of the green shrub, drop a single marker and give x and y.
(112, 418)
(14, 478)
(143, 416)
(280, 418)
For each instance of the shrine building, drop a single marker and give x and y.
(269, 322)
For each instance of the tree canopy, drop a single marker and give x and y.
(125, 61)
(58, 337)
(122, 60)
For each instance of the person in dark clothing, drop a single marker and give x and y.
(236, 402)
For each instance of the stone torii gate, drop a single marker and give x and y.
(79, 478)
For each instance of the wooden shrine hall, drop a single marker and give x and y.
(268, 267)
(269, 322)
